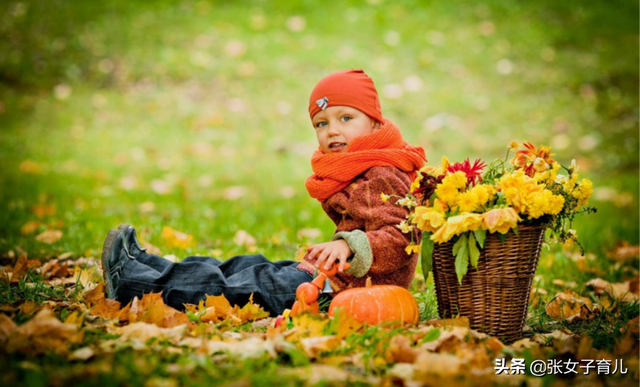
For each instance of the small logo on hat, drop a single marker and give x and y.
(322, 102)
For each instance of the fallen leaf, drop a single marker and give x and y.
(144, 331)
(7, 327)
(30, 227)
(106, 308)
(313, 346)
(400, 350)
(29, 307)
(76, 318)
(49, 237)
(152, 309)
(234, 192)
(621, 291)
(174, 238)
(632, 325)
(243, 238)
(568, 306)
(451, 322)
(82, 354)
(561, 341)
(42, 210)
(307, 325)
(625, 252)
(44, 333)
(20, 269)
(455, 334)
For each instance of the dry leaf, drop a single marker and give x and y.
(152, 309)
(42, 334)
(7, 327)
(622, 291)
(313, 346)
(400, 350)
(29, 307)
(144, 331)
(20, 269)
(568, 306)
(243, 238)
(42, 210)
(174, 238)
(106, 308)
(30, 227)
(49, 237)
(625, 252)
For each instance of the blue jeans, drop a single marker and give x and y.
(273, 284)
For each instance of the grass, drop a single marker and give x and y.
(193, 115)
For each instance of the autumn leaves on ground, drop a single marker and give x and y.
(59, 315)
(189, 121)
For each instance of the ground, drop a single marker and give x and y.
(188, 120)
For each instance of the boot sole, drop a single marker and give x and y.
(106, 250)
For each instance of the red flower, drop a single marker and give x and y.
(473, 172)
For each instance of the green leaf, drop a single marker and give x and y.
(474, 253)
(432, 335)
(462, 261)
(462, 240)
(481, 236)
(426, 254)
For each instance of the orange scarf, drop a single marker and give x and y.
(385, 147)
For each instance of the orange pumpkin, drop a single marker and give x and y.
(377, 304)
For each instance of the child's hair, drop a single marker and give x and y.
(351, 88)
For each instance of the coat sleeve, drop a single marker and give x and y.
(380, 247)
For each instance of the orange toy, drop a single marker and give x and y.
(307, 293)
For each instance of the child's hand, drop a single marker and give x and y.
(329, 252)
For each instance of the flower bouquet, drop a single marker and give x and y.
(492, 219)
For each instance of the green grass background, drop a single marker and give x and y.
(112, 99)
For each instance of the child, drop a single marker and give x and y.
(361, 155)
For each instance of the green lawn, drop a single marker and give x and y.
(193, 115)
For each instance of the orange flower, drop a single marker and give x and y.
(456, 225)
(500, 220)
(532, 159)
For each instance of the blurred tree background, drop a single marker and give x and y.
(193, 114)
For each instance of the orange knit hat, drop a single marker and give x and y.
(351, 88)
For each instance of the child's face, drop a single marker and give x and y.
(337, 127)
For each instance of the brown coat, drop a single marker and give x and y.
(368, 224)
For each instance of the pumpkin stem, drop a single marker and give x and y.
(368, 283)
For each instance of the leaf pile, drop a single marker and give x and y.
(89, 333)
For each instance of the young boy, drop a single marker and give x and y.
(361, 155)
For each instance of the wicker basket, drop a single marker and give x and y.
(495, 296)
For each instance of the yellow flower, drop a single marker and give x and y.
(519, 189)
(468, 201)
(457, 179)
(407, 202)
(457, 225)
(545, 203)
(548, 176)
(440, 205)
(415, 184)
(447, 193)
(428, 218)
(540, 165)
(384, 197)
(583, 191)
(405, 227)
(428, 169)
(513, 146)
(500, 220)
(412, 249)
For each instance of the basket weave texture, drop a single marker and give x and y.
(495, 296)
